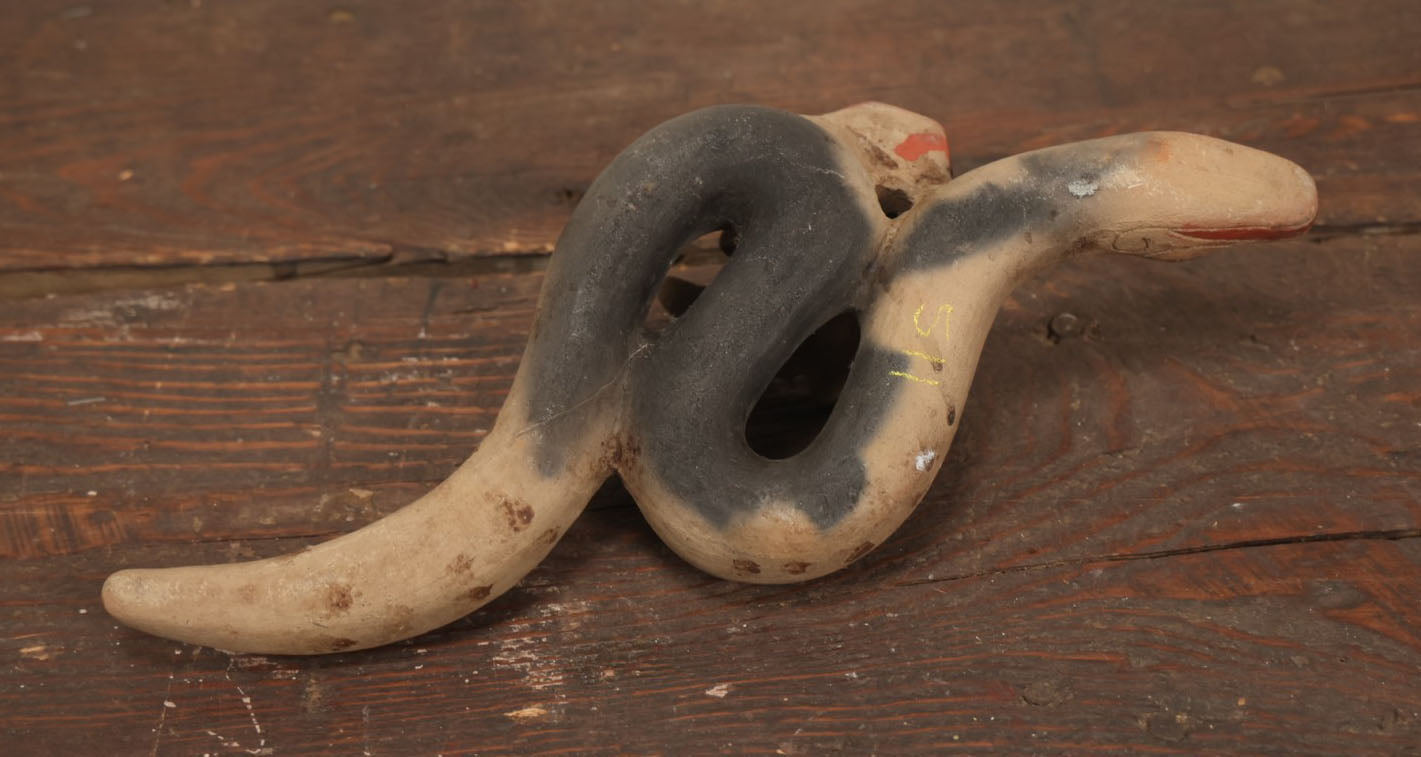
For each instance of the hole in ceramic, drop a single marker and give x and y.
(696, 266)
(799, 399)
(894, 202)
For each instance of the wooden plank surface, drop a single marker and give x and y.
(1184, 505)
(1182, 515)
(180, 133)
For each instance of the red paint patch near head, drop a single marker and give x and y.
(920, 144)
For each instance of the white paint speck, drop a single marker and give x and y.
(1082, 187)
(718, 691)
(923, 459)
(170, 704)
(91, 493)
(83, 611)
(1237, 505)
(521, 655)
(1123, 177)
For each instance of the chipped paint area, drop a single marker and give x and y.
(924, 459)
(566, 614)
(718, 691)
(518, 654)
(1082, 187)
(127, 307)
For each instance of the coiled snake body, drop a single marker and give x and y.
(596, 392)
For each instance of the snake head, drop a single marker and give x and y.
(1177, 195)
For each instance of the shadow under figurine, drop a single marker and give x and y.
(808, 201)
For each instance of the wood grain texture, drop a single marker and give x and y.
(1182, 514)
(161, 134)
(614, 646)
(1188, 523)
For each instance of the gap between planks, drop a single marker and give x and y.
(32, 283)
(1384, 535)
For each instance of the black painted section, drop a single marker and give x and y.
(695, 443)
(686, 177)
(804, 251)
(1039, 202)
(803, 245)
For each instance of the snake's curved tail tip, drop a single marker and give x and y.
(135, 599)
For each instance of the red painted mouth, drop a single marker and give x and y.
(1245, 232)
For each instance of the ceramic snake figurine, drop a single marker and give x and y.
(597, 393)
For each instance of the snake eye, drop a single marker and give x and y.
(797, 403)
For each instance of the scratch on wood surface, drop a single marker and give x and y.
(251, 713)
(365, 729)
(168, 704)
(527, 714)
(38, 652)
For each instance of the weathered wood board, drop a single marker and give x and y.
(1183, 513)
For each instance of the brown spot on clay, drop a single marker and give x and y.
(402, 619)
(930, 174)
(746, 566)
(621, 453)
(951, 415)
(859, 551)
(338, 598)
(518, 513)
(878, 155)
(247, 593)
(549, 536)
(882, 276)
(796, 568)
(460, 564)
(339, 644)
(937, 366)
(479, 593)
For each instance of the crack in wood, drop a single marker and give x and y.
(1387, 535)
(39, 282)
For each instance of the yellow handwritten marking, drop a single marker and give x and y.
(943, 314)
(925, 356)
(911, 377)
